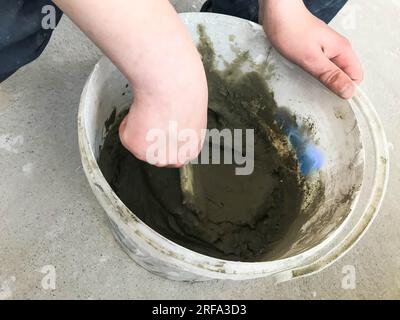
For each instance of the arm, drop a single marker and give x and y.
(311, 44)
(149, 44)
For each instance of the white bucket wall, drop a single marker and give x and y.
(343, 130)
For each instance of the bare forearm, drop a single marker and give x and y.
(274, 9)
(148, 42)
(145, 39)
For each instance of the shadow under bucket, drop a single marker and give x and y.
(312, 193)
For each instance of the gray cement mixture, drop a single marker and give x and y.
(243, 217)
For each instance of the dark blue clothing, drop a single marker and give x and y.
(326, 10)
(248, 9)
(22, 38)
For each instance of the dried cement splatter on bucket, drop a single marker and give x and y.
(245, 217)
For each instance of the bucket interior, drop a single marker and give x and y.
(327, 123)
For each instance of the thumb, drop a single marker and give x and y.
(331, 76)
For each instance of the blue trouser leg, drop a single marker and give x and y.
(326, 10)
(248, 9)
(22, 38)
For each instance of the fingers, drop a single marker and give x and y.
(331, 75)
(349, 63)
(136, 143)
(343, 56)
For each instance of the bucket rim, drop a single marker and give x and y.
(210, 267)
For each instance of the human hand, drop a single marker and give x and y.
(166, 129)
(313, 45)
(150, 45)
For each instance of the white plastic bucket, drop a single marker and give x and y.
(349, 133)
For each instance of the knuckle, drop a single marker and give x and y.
(161, 164)
(308, 59)
(124, 138)
(345, 43)
(330, 77)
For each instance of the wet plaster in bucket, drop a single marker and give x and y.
(242, 217)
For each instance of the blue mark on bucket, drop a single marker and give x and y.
(309, 156)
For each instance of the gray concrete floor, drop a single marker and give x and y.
(49, 216)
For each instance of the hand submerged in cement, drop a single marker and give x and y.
(148, 42)
(312, 44)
